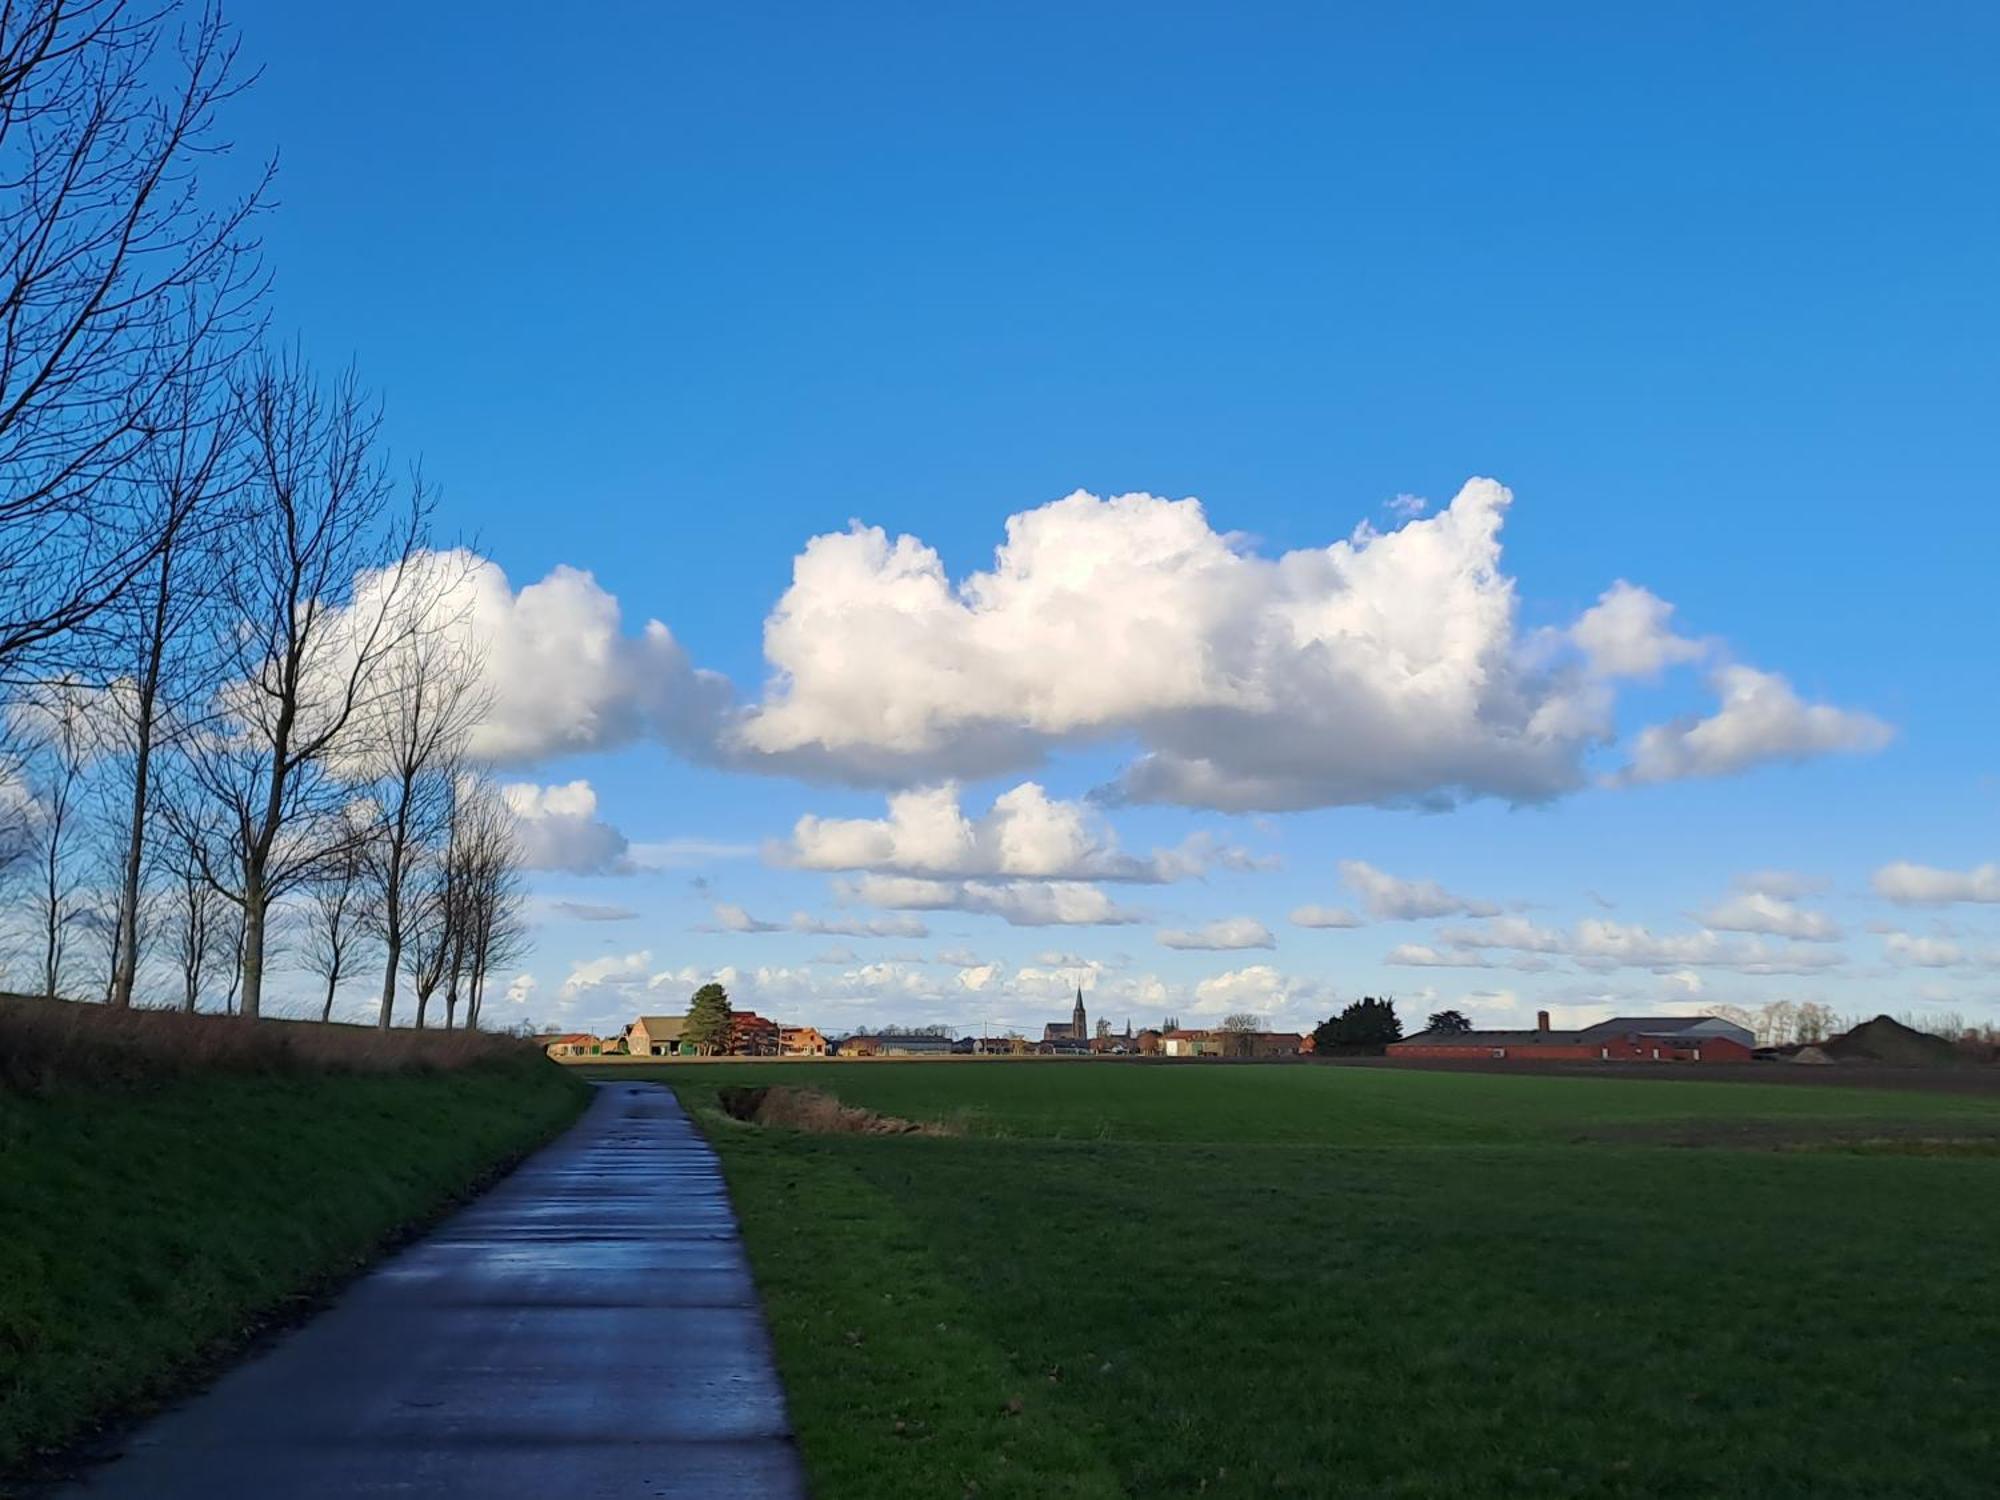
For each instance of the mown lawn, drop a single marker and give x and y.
(1326, 1281)
(145, 1231)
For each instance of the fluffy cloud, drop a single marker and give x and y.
(1629, 633)
(1774, 916)
(557, 828)
(1383, 668)
(1925, 885)
(732, 918)
(1390, 898)
(1425, 956)
(1785, 885)
(1916, 951)
(1597, 944)
(557, 671)
(1022, 903)
(1760, 719)
(1262, 991)
(1324, 916)
(614, 977)
(1223, 933)
(1026, 834)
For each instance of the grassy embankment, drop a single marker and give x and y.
(1321, 1281)
(169, 1185)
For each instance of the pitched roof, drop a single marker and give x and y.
(1617, 1026)
(662, 1028)
(1658, 1026)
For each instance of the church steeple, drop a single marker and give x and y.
(1078, 1024)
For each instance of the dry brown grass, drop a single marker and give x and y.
(52, 1045)
(814, 1112)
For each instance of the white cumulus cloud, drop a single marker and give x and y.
(1760, 719)
(1026, 834)
(1629, 633)
(1324, 916)
(1774, 916)
(1925, 885)
(1390, 898)
(1382, 668)
(1022, 903)
(557, 828)
(1223, 933)
(730, 917)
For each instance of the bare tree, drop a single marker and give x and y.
(119, 284)
(337, 917)
(59, 725)
(160, 635)
(489, 894)
(196, 936)
(318, 599)
(429, 929)
(427, 704)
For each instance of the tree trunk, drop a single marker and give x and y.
(394, 944)
(125, 967)
(423, 1003)
(253, 950)
(326, 1007)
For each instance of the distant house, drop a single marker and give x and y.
(571, 1044)
(1257, 1043)
(994, 1046)
(911, 1044)
(656, 1036)
(1700, 1039)
(800, 1041)
(1184, 1043)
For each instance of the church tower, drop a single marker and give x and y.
(1078, 1024)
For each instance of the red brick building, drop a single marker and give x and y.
(1698, 1039)
(753, 1036)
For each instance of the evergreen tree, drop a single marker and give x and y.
(710, 1028)
(1449, 1022)
(1366, 1026)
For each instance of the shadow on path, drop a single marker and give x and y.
(586, 1329)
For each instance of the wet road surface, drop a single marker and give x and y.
(586, 1329)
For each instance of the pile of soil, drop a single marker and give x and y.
(1887, 1040)
(813, 1111)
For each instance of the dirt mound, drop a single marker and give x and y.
(1887, 1040)
(812, 1111)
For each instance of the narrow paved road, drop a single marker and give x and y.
(587, 1329)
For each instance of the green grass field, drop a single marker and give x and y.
(1342, 1281)
(145, 1231)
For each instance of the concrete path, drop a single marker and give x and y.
(586, 1329)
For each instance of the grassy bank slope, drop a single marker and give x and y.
(155, 1213)
(1176, 1281)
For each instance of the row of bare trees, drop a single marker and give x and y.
(237, 700)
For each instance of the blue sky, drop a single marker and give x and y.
(663, 292)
